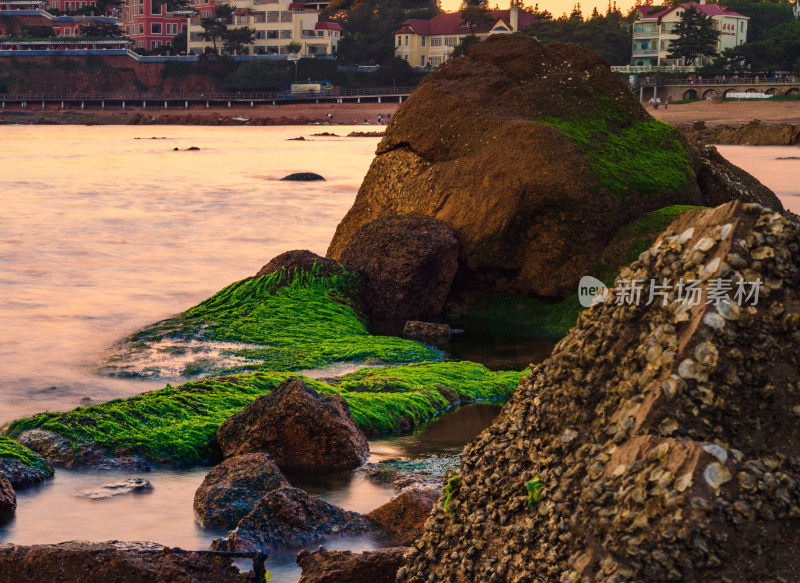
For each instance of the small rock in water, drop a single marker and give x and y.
(427, 332)
(303, 176)
(116, 489)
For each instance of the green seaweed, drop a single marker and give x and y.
(536, 317)
(291, 321)
(644, 157)
(451, 485)
(177, 425)
(12, 450)
(534, 488)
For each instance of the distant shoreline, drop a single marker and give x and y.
(365, 114)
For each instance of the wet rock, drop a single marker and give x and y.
(289, 517)
(301, 261)
(117, 488)
(718, 179)
(114, 561)
(427, 332)
(230, 491)
(298, 427)
(428, 473)
(656, 443)
(378, 566)
(753, 133)
(461, 148)
(8, 497)
(403, 517)
(409, 263)
(365, 134)
(21, 466)
(303, 176)
(59, 451)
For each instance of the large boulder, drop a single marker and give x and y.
(230, 491)
(298, 427)
(409, 263)
(403, 517)
(8, 497)
(379, 566)
(290, 517)
(535, 155)
(660, 441)
(113, 562)
(57, 450)
(22, 466)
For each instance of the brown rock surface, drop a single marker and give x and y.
(403, 517)
(525, 201)
(8, 497)
(753, 133)
(378, 566)
(409, 263)
(298, 427)
(659, 442)
(60, 451)
(112, 562)
(289, 517)
(231, 490)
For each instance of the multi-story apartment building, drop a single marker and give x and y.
(652, 32)
(277, 23)
(152, 23)
(428, 43)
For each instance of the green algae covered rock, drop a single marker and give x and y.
(299, 312)
(176, 426)
(21, 466)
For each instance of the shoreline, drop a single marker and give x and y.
(347, 114)
(712, 114)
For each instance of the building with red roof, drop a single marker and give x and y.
(652, 32)
(429, 43)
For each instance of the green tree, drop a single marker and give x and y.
(461, 48)
(696, 37)
(37, 31)
(258, 75)
(213, 29)
(236, 40)
(474, 13)
(294, 47)
(179, 42)
(102, 29)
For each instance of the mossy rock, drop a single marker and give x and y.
(525, 316)
(297, 314)
(22, 466)
(176, 426)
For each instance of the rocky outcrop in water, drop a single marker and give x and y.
(403, 517)
(660, 441)
(116, 488)
(298, 427)
(60, 451)
(409, 263)
(289, 517)
(536, 156)
(231, 490)
(8, 497)
(718, 178)
(428, 332)
(21, 466)
(378, 566)
(754, 133)
(303, 176)
(113, 562)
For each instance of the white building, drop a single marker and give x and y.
(277, 23)
(652, 32)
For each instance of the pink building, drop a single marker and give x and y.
(151, 24)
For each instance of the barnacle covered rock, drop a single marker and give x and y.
(682, 460)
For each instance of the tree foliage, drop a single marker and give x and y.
(475, 15)
(102, 29)
(696, 37)
(461, 48)
(236, 40)
(259, 76)
(608, 34)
